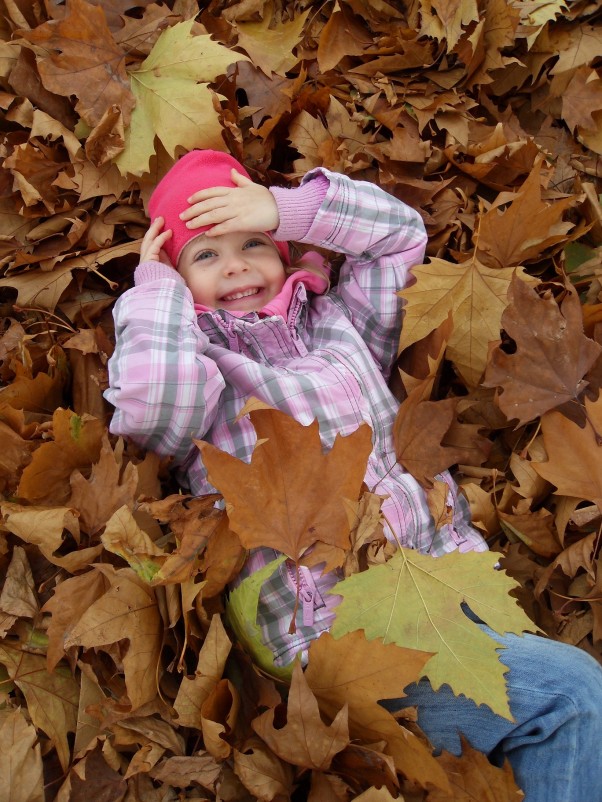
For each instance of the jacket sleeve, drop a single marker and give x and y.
(382, 238)
(164, 389)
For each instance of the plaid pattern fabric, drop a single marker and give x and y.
(175, 376)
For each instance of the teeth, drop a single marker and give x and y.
(236, 296)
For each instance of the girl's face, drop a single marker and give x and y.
(239, 272)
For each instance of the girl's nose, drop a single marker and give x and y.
(235, 263)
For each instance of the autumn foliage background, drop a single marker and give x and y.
(118, 679)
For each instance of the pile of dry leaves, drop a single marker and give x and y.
(122, 677)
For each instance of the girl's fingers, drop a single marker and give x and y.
(160, 239)
(217, 192)
(207, 194)
(156, 225)
(210, 218)
(153, 240)
(153, 230)
(203, 207)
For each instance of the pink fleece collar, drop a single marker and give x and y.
(281, 303)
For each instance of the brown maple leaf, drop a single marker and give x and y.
(342, 36)
(109, 487)
(305, 740)
(536, 529)
(576, 562)
(219, 713)
(525, 229)
(18, 597)
(269, 42)
(181, 771)
(356, 672)
(581, 99)
(262, 772)
(76, 445)
(291, 494)
(574, 463)
(80, 57)
(552, 354)
(269, 97)
(195, 690)
(474, 778)
(338, 144)
(126, 611)
(14, 456)
(52, 699)
(420, 432)
(99, 780)
(68, 603)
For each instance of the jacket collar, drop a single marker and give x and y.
(259, 336)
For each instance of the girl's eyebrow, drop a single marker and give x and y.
(260, 235)
(198, 243)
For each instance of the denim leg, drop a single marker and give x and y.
(555, 742)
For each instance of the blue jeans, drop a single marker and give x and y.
(555, 743)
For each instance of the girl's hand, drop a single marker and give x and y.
(151, 249)
(245, 207)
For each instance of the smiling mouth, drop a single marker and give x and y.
(236, 296)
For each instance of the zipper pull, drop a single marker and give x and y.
(307, 598)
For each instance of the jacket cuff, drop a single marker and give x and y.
(152, 271)
(298, 207)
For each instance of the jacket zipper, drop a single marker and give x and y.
(308, 593)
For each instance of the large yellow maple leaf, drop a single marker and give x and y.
(173, 99)
(417, 602)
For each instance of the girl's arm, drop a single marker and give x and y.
(164, 390)
(381, 236)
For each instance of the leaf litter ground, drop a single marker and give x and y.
(118, 677)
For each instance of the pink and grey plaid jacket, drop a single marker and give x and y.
(177, 375)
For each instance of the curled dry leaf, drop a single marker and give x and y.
(20, 758)
(128, 611)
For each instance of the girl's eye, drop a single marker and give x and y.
(203, 255)
(253, 243)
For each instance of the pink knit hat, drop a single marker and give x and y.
(199, 169)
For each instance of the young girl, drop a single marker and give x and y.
(218, 314)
